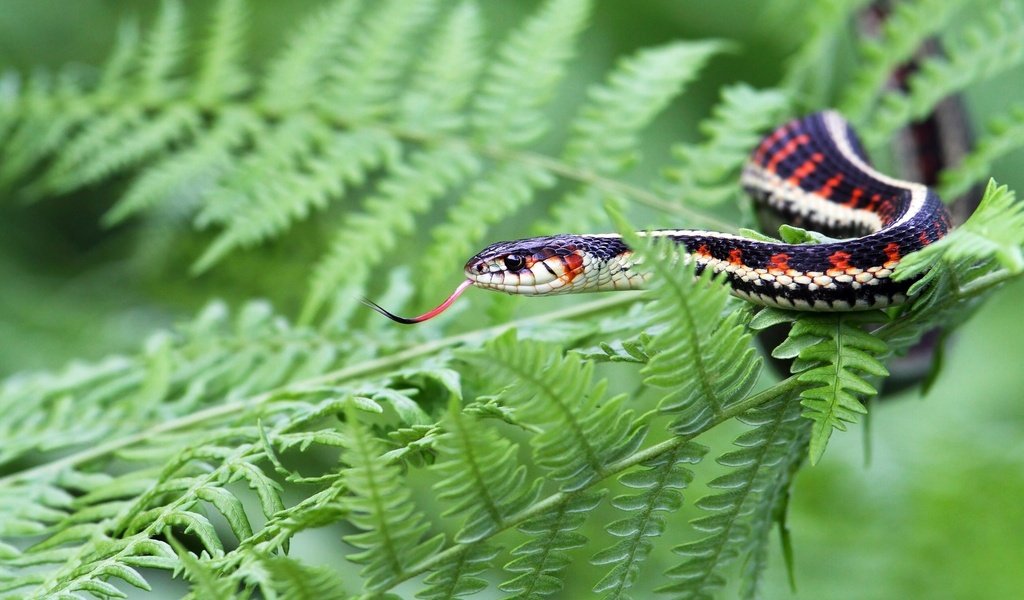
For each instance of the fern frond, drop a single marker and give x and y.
(221, 76)
(540, 561)
(604, 135)
(661, 479)
(707, 170)
(312, 168)
(994, 231)
(834, 355)
(162, 53)
(363, 239)
(741, 501)
(982, 51)
(380, 505)
(482, 478)
(905, 28)
(582, 430)
(295, 580)
(296, 76)
(363, 84)
(458, 578)
(1003, 135)
(530, 62)
(435, 98)
(705, 359)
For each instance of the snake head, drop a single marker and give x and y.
(541, 265)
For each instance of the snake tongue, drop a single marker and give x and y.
(430, 314)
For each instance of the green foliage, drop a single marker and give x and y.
(442, 459)
(832, 355)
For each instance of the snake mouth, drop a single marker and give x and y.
(430, 314)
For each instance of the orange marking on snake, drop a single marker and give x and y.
(806, 168)
(892, 251)
(786, 150)
(703, 250)
(736, 257)
(573, 263)
(923, 238)
(826, 190)
(779, 262)
(855, 197)
(770, 141)
(840, 260)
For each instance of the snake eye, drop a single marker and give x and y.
(514, 262)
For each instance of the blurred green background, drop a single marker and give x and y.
(938, 512)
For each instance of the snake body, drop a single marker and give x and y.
(812, 171)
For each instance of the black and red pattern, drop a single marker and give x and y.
(813, 172)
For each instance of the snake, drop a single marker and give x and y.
(813, 172)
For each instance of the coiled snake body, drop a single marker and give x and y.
(813, 172)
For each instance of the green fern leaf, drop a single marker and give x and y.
(530, 63)
(458, 578)
(988, 48)
(582, 431)
(296, 77)
(994, 231)
(605, 133)
(435, 99)
(381, 505)
(1003, 135)
(541, 560)
(707, 171)
(482, 477)
(660, 480)
(738, 504)
(295, 580)
(221, 75)
(364, 82)
(903, 31)
(163, 53)
(365, 236)
(705, 359)
(833, 356)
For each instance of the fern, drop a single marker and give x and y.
(463, 453)
(833, 356)
(984, 50)
(1003, 136)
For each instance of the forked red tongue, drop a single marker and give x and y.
(430, 314)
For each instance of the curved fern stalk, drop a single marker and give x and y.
(833, 355)
(1003, 135)
(582, 431)
(660, 479)
(381, 505)
(605, 132)
(982, 51)
(541, 560)
(744, 503)
(902, 33)
(705, 359)
(707, 171)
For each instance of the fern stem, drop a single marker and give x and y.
(345, 373)
(780, 389)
